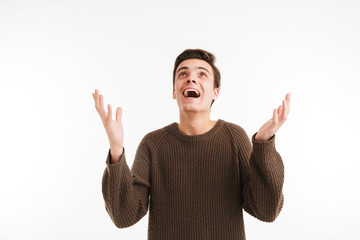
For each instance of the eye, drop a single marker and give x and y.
(182, 74)
(203, 74)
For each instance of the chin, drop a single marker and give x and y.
(193, 109)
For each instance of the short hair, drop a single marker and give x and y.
(202, 55)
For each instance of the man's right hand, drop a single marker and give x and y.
(114, 129)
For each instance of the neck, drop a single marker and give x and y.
(195, 123)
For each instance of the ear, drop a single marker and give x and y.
(173, 94)
(216, 93)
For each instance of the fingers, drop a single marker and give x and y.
(284, 109)
(109, 114)
(102, 111)
(284, 112)
(275, 117)
(279, 110)
(99, 105)
(288, 96)
(286, 104)
(118, 113)
(96, 98)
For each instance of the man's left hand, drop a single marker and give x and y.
(279, 117)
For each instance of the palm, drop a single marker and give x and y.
(114, 129)
(272, 125)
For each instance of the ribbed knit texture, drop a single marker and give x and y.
(196, 186)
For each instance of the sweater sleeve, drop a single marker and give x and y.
(125, 191)
(262, 177)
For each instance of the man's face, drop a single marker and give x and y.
(194, 86)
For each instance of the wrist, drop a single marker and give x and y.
(261, 138)
(116, 154)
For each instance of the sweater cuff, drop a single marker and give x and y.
(268, 145)
(108, 158)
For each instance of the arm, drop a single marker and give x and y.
(262, 177)
(125, 191)
(262, 169)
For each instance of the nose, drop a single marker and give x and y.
(188, 81)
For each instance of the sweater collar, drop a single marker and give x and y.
(195, 138)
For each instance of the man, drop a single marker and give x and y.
(197, 176)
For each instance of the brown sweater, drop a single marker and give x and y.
(196, 186)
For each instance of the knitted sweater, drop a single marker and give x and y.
(196, 186)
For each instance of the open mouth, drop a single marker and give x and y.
(191, 93)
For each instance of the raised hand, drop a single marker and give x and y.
(114, 129)
(279, 117)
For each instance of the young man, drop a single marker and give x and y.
(197, 176)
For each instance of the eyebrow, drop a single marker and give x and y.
(196, 68)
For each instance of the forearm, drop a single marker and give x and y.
(125, 199)
(263, 197)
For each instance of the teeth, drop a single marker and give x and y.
(191, 89)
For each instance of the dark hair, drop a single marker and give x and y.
(202, 55)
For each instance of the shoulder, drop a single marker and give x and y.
(239, 137)
(158, 132)
(234, 129)
(153, 138)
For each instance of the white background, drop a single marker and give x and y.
(54, 54)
